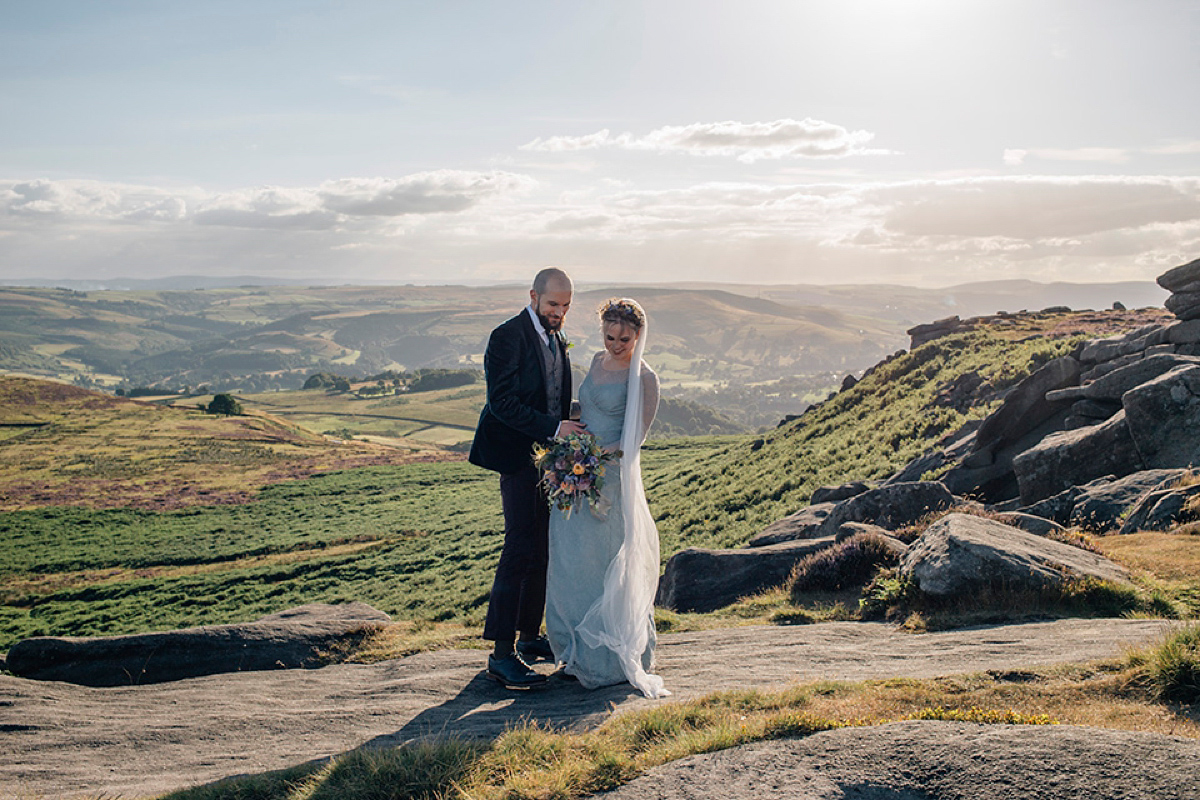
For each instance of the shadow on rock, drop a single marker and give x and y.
(484, 710)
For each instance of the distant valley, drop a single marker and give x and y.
(753, 354)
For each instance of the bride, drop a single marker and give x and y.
(604, 561)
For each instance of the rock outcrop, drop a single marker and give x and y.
(1069, 458)
(928, 760)
(1164, 418)
(1096, 439)
(890, 507)
(1168, 504)
(1030, 523)
(1184, 285)
(804, 524)
(836, 494)
(961, 554)
(1103, 504)
(699, 579)
(1116, 406)
(1027, 406)
(299, 637)
(927, 332)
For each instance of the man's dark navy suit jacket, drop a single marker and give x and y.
(515, 414)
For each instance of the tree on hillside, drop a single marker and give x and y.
(327, 380)
(225, 404)
(425, 380)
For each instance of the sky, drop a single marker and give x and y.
(918, 142)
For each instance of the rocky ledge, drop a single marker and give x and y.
(1106, 439)
(299, 637)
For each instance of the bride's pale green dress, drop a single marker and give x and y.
(584, 544)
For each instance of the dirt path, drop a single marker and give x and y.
(61, 740)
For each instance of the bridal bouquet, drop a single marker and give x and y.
(572, 469)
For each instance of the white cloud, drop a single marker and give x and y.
(423, 193)
(442, 227)
(745, 141)
(350, 200)
(1177, 148)
(569, 144)
(266, 207)
(1036, 208)
(77, 199)
(312, 220)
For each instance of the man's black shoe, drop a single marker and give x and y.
(513, 673)
(535, 650)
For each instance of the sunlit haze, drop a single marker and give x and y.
(835, 141)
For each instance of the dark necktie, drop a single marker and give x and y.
(551, 341)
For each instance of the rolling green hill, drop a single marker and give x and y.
(257, 338)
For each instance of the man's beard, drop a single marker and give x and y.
(549, 325)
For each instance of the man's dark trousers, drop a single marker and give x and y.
(520, 582)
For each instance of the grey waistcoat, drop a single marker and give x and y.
(554, 375)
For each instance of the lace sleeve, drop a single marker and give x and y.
(649, 398)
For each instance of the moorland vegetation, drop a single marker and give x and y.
(419, 540)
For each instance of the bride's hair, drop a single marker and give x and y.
(622, 311)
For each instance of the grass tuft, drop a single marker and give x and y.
(893, 597)
(795, 724)
(987, 716)
(1172, 669)
(421, 771)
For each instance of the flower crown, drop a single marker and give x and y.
(622, 310)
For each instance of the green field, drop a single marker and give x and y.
(420, 421)
(417, 541)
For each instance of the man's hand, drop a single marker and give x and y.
(569, 426)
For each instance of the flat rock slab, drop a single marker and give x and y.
(297, 637)
(803, 524)
(63, 740)
(922, 760)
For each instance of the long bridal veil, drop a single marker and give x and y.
(622, 619)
